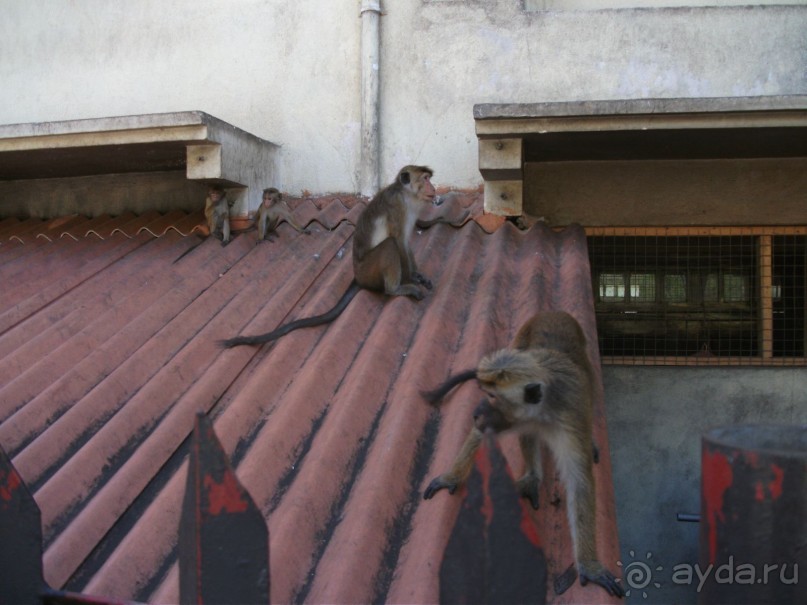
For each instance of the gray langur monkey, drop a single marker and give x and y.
(541, 387)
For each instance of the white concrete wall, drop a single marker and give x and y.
(289, 71)
(284, 71)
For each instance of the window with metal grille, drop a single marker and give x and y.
(702, 296)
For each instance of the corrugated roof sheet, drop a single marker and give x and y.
(108, 331)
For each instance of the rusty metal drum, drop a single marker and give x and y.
(753, 531)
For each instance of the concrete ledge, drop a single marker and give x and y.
(193, 144)
(625, 107)
(513, 135)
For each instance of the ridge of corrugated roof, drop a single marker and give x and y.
(328, 211)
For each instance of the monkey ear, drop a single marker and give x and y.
(532, 393)
(405, 178)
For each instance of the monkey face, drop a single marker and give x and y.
(497, 411)
(516, 403)
(533, 393)
(270, 197)
(418, 179)
(488, 416)
(516, 384)
(427, 191)
(215, 195)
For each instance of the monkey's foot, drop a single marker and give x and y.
(410, 290)
(565, 581)
(421, 279)
(597, 574)
(528, 488)
(437, 484)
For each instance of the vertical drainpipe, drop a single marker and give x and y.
(369, 181)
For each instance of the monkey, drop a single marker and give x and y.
(271, 210)
(382, 256)
(217, 213)
(541, 387)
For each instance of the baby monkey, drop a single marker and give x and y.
(542, 388)
(217, 213)
(271, 210)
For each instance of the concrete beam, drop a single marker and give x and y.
(501, 159)
(497, 120)
(504, 198)
(759, 106)
(204, 147)
(501, 162)
(204, 161)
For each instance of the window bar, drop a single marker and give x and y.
(765, 253)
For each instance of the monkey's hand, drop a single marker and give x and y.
(438, 483)
(594, 571)
(421, 279)
(528, 488)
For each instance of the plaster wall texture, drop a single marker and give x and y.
(289, 72)
(656, 417)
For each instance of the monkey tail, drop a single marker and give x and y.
(305, 322)
(434, 396)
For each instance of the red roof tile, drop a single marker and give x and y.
(108, 331)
